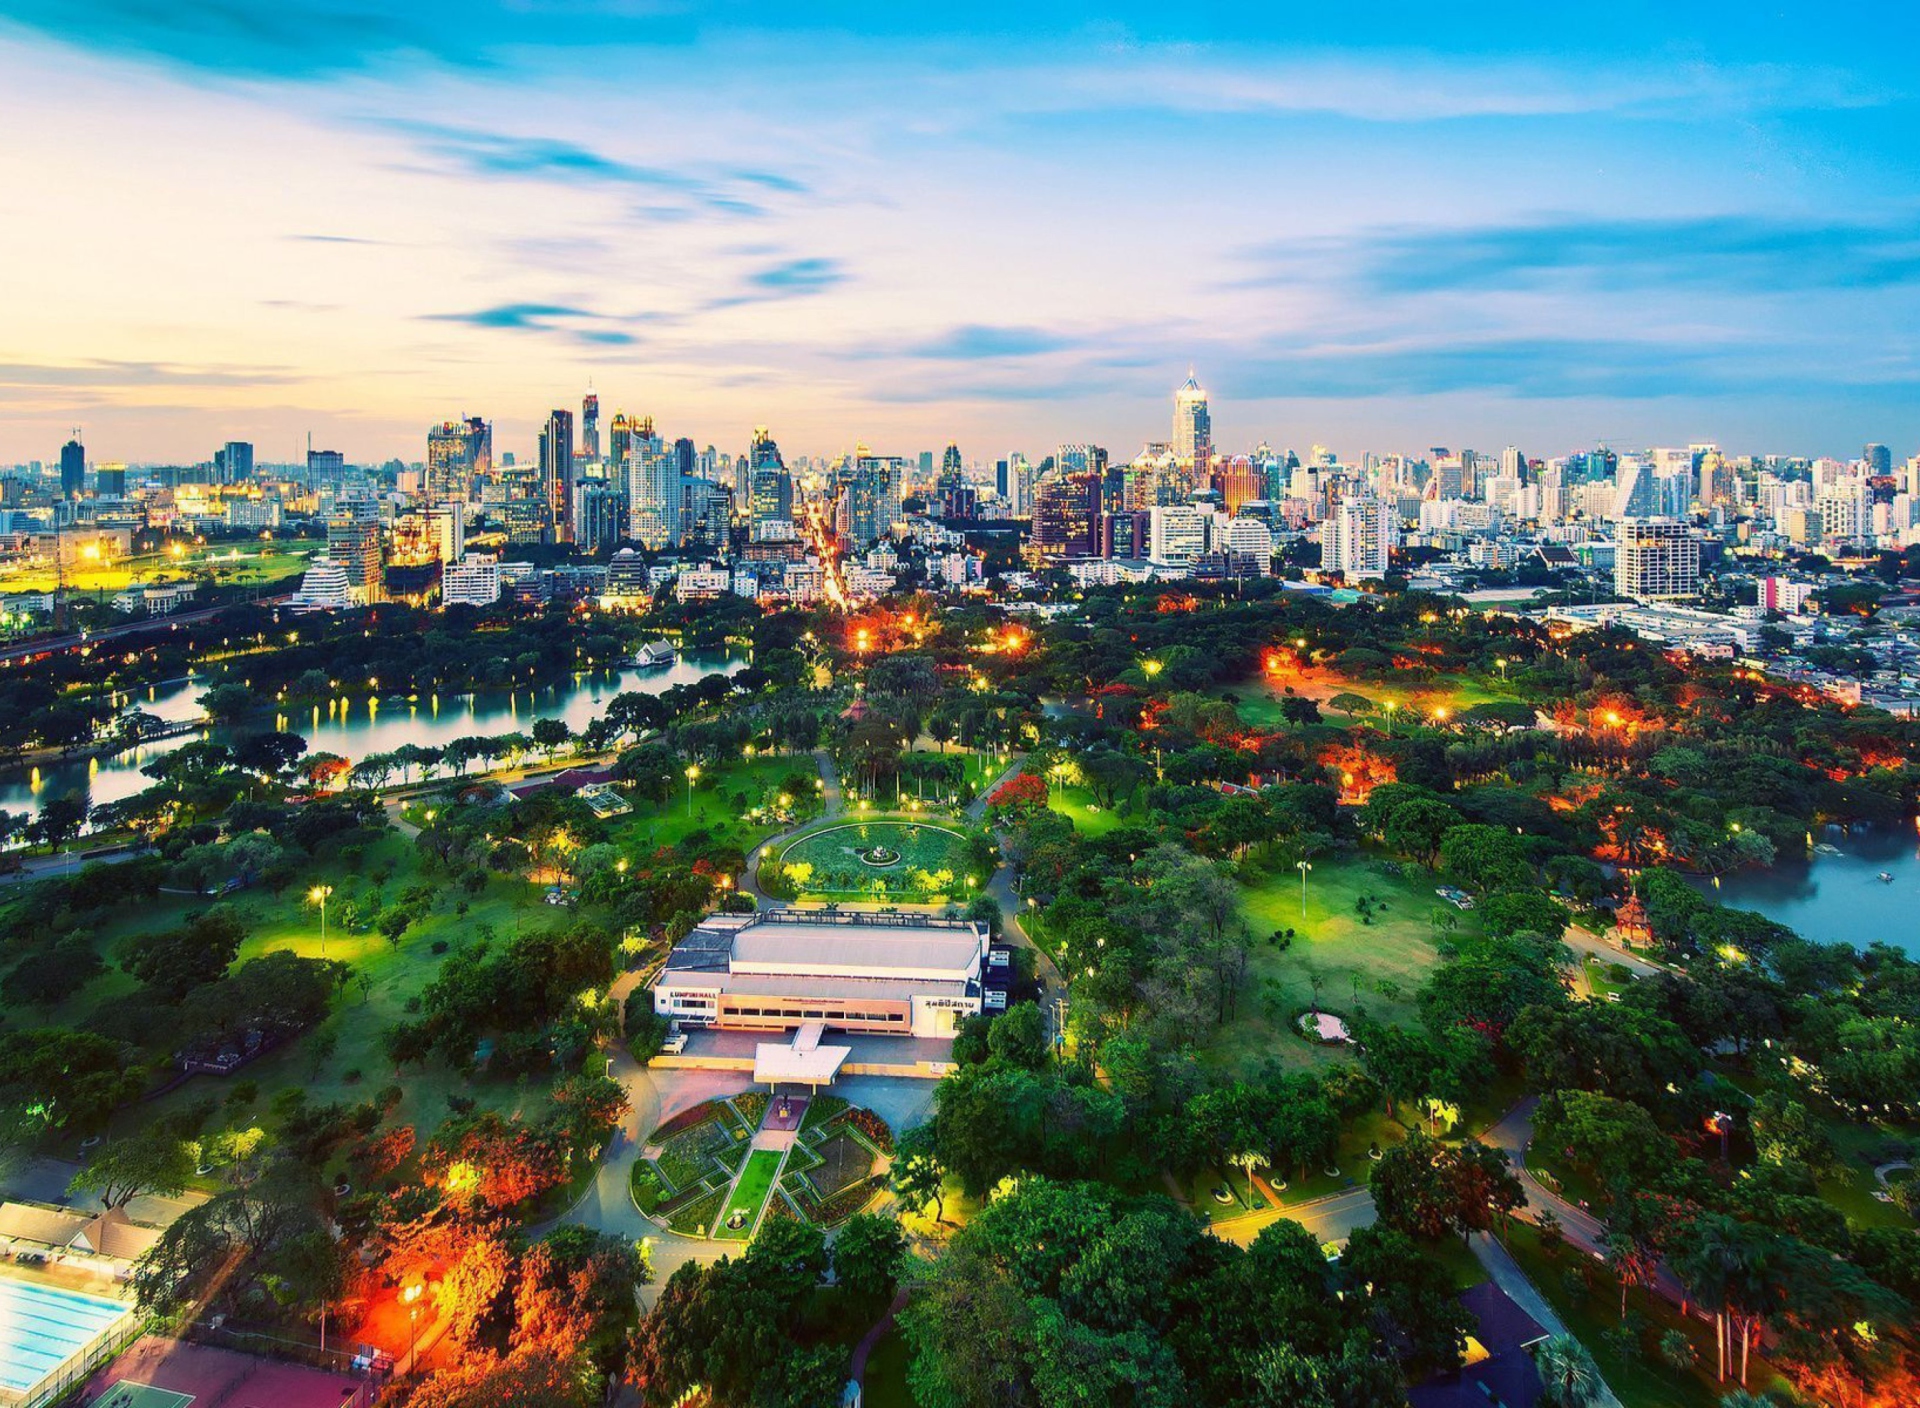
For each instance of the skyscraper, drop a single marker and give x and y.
(621, 441)
(1192, 430)
(235, 462)
(1655, 559)
(73, 468)
(770, 487)
(1879, 460)
(556, 473)
(458, 452)
(590, 427)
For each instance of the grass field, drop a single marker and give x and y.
(356, 1065)
(886, 1383)
(834, 855)
(1364, 968)
(1088, 816)
(749, 1194)
(844, 1161)
(1257, 698)
(723, 800)
(229, 564)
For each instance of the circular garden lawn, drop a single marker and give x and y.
(877, 858)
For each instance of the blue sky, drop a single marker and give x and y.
(1006, 225)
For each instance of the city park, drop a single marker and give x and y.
(451, 959)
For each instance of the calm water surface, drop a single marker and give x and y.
(1839, 897)
(357, 726)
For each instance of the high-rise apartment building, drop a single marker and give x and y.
(473, 581)
(590, 428)
(326, 465)
(458, 453)
(655, 494)
(556, 473)
(1655, 559)
(1358, 538)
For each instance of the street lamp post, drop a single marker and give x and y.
(318, 895)
(1303, 867)
(693, 776)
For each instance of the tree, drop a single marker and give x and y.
(551, 735)
(529, 1376)
(176, 961)
(1571, 1378)
(1019, 1036)
(867, 1252)
(1484, 858)
(1510, 912)
(228, 702)
(64, 1080)
(125, 1169)
(916, 1175)
(1408, 1296)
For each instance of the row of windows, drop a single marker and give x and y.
(818, 1014)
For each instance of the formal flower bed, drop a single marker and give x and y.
(875, 1129)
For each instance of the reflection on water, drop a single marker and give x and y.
(1838, 896)
(353, 726)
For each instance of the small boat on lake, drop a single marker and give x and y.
(1885, 877)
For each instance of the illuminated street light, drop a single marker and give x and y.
(693, 776)
(318, 895)
(1303, 867)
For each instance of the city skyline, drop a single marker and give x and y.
(1005, 229)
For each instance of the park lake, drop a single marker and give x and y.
(362, 723)
(1837, 895)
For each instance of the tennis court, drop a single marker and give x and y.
(142, 1396)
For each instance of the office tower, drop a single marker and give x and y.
(1238, 481)
(1176, 534)
(458, 453)
(655, 492)
(1066, 515)
(73, 468)
(1358, 538)
(1192, 430)
(325, 464)
(769, 486)
(1655, 559)
(324, 587)
(473, 581)
(620, 441)
(590, 428)
(556, 473)
(234, 462)
(353, 542)
(1879, 460)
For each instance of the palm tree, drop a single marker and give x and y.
(1571, 1377)
(1250, 1160)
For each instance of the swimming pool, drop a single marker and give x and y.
(41, 1327)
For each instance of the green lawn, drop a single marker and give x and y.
(749, 1194)
(1257, 698)
(1370, 968)
(236, 564)
(724, 802)
(833, 855)
(356, 1067)
(1088, 816)
(886, 1383)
